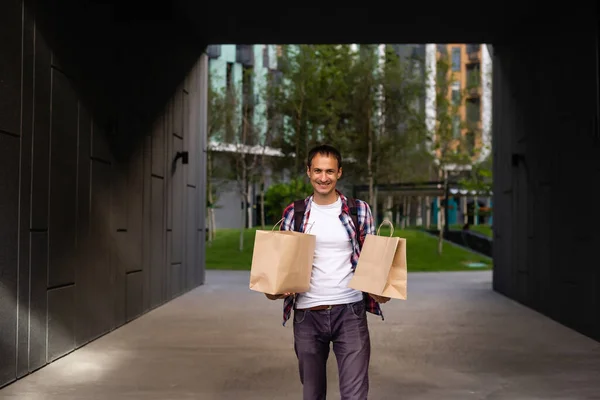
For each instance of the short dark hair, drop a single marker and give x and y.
(324, 150)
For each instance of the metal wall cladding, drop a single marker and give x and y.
(545, 241)
(89, 240)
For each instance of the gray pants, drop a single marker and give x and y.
(346, 326)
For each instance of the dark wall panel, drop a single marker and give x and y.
(146, 224)
(191, 233)
(540, 157)
(61, 321)
(158, 146)
(176, 280)
(41, 135)
(101, 316)
(157, 243)
(39, 301)
(9, 222)
(91, 204)
(135, 287)
(25, 203)
(100, 148)
(10, 67)
(135, 212)
(120, 254)
(84, 277)
(63, 181)
(178, 190)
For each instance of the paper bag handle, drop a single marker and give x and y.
(280, 221)
(386, 221)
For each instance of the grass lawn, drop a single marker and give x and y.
(421, 253)
(483, 229)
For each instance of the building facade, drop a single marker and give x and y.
(470, 78)
(241, 75)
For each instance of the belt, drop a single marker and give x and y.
(320, 308)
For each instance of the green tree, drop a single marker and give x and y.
(280, 195)
(218, 116)
(480, 177)
(449, 143)
(388, 125)
(313, 98)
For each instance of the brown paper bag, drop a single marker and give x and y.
(381, 268)
(282, 261)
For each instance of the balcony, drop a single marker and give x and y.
(244, 54)
(213, 51)
(474, 92)
(474, 57)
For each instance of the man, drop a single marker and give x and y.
(330, 311)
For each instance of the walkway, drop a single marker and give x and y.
(453, 339)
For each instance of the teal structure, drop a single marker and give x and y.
(452, 211)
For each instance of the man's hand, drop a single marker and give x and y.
(278, 296)
(379, 299)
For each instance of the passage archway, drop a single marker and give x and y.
(101, 221)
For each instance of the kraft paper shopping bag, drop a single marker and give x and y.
(382, 268)
(282, 261)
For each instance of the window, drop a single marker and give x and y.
(456, 127)
(229, 76)
(473, 110)
(229, 118)
(470, 142)
(456, 93)
(473, 77)
(244, 54)
(266, 56)
(213, 51)
(248, 103)
(456, 59)
(473, 48)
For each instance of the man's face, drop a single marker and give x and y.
(324, 174)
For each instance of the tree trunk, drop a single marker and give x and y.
(476, 210)
(441, 235)
(407, 202)
(442, 216)
(375, 207)
(389, 208)
(419, 211)
(210, 210)
(213, 224)
(262, 201)
(243, 197)
(371, 178)
(427, 212)
(249, 202)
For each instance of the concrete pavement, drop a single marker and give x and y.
(454, 338)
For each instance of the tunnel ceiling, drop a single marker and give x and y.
(465, 21)
(127, 57)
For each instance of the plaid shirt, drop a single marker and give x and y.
(365, 222)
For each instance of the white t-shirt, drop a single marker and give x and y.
(332, 268)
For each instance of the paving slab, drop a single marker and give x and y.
(454, 338)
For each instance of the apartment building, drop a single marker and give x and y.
(470, 89)
(241, 71)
